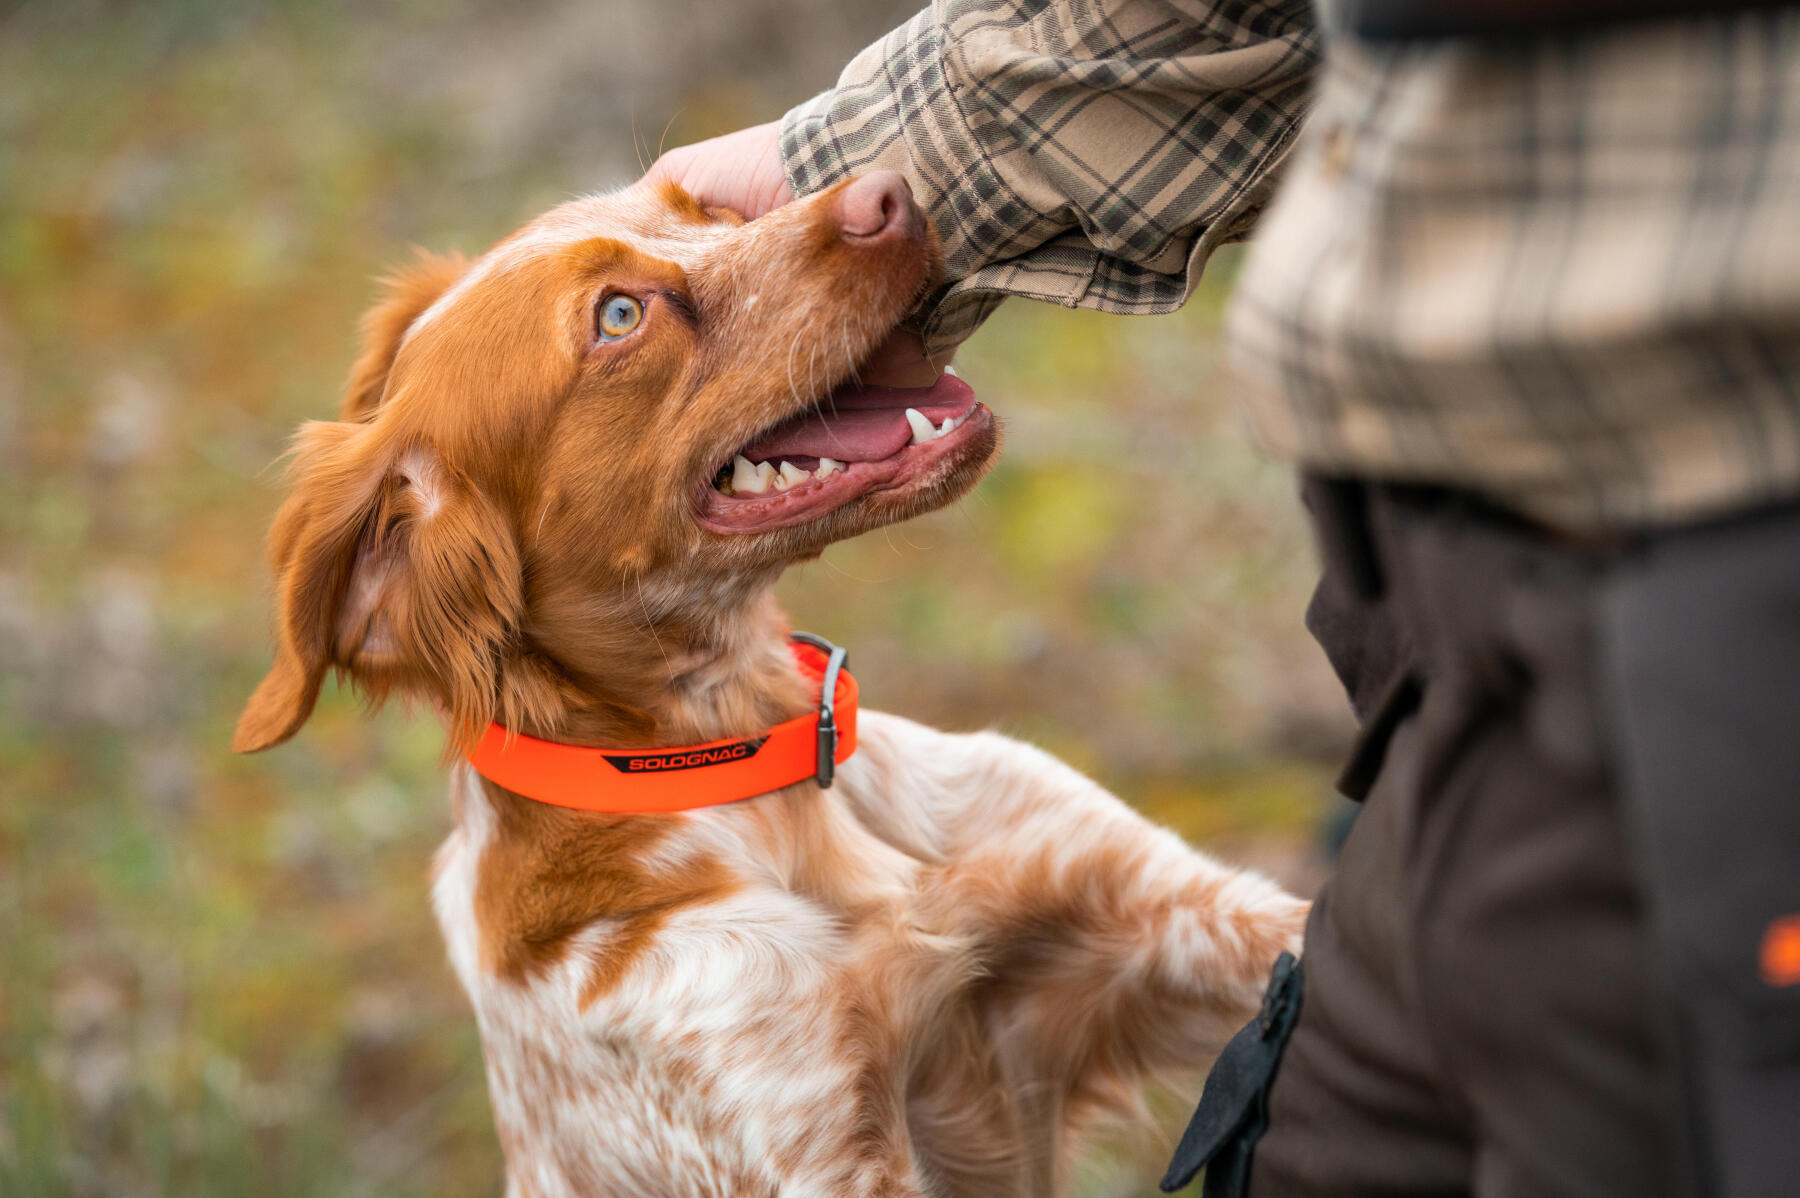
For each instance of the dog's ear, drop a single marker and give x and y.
(405, 294)
(394, 569)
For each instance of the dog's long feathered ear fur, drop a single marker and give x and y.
(312, 548)
(393, 569)
(406, 292)
(388, 566)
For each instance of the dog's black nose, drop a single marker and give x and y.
(879, 204)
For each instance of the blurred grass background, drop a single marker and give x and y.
(218, 976)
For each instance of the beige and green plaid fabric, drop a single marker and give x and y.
(1086, 152)
(1564, 272)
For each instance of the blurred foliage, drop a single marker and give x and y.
(218, 976)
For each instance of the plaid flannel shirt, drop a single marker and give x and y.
(1562, 272)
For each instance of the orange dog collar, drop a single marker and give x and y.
(634, 781)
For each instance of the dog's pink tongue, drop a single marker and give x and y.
(847, 436)
(862, 424)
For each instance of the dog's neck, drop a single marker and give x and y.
(694, 673)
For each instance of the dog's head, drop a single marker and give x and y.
(632, 412)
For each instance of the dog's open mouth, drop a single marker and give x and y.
(856, 441)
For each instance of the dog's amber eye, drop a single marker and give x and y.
(619, 314)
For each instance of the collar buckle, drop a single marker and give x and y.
(837, 657)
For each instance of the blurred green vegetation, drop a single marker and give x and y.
(218, 976)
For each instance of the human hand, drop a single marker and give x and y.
(743, 171)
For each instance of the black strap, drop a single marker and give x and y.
(1234, 1107)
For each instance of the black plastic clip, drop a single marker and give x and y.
(837, 658)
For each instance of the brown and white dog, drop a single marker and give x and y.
(545, 506)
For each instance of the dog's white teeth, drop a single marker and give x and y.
(750, 478)
(949, 423)
(951, 371)
(922, 430)
(827, 466)
(790, 474)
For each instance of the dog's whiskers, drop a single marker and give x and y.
(793, 389)
(637, 150)
(650, 627)
(539, 535)
(665, 133)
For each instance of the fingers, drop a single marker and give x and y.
(741, 171)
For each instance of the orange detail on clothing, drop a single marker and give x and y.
(640, 780)
(1780, 957)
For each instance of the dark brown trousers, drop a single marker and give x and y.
(1537, 970)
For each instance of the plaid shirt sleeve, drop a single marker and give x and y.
(1092, 153)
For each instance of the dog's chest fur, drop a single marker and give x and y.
(662, 1085)
(733, 1047)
